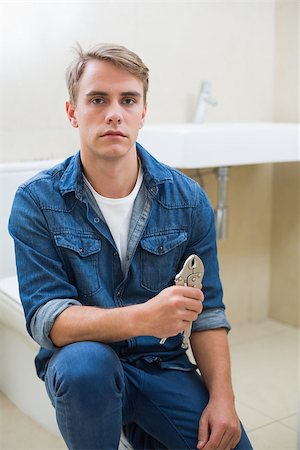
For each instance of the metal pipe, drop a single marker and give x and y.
(221, 212)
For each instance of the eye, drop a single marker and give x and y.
(98, 101)
(128, 101)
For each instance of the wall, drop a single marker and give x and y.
(183, 42)
(285, 263)
(231, 44)
(285, 251)
(245, 256)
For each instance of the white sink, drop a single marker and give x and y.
(189, 145)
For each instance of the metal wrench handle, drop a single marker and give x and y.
(191, 275)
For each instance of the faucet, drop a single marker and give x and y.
(205, 98)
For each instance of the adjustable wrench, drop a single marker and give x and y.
(191, 275)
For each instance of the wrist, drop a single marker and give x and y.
(222, 395)
(139, 320)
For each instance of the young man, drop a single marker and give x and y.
(99, 239)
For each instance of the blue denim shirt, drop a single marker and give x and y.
(66, 255)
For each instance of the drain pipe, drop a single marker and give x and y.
(221, 212)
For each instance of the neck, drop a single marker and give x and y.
(113, 179)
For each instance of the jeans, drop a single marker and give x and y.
(95, 393)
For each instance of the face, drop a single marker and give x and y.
(109, 112)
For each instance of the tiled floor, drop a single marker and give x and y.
(265, 365)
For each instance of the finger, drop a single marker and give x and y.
(226, 442)
(234, 442)
(194, 293)
(189, 316)
(203, 434)
(215, 439)
(230, 438)
(190, 292)
(196, 308)
(199, 296)
(229, 441)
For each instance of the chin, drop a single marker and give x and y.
(113, 152)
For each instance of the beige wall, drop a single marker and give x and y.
(244, 48)
(285, 262)
(285, 251)
(245, 256)
(183, 42)
(260, 260)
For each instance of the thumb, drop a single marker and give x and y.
(203, 434)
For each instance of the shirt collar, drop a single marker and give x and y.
(72, 179)
(154, 172)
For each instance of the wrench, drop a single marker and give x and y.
(191, 275)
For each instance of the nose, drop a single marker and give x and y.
(114, 115)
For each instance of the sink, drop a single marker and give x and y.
(189, 145)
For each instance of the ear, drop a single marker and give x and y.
(143, 116)
(71, 113)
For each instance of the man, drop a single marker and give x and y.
(99, 239)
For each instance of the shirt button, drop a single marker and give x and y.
(115, 254)
(154, 189)
(119, 294)
(96, 220)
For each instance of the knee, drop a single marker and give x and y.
(88, 366)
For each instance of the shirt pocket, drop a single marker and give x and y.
(81, 256)
(160, 257)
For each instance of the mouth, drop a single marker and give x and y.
(112, 133)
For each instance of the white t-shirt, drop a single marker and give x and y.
(117, 214)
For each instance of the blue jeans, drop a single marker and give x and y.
(95, 394)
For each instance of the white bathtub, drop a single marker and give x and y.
(18, 380)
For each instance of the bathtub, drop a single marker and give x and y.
(18, 379)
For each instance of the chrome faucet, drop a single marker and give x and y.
(205, 98)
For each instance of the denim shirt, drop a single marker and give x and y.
(66, 255)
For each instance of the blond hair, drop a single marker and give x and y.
(116, 54)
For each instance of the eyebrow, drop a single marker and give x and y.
(123, 94)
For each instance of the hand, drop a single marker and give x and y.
(172, 310)
(219, 427)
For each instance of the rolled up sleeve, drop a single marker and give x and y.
(44, 318)
(211, 319)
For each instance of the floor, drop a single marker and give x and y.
(265, 366)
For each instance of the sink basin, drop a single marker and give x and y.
(189, 145)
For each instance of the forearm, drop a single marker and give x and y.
(211, 352)
(89, 323)
(166, 314)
